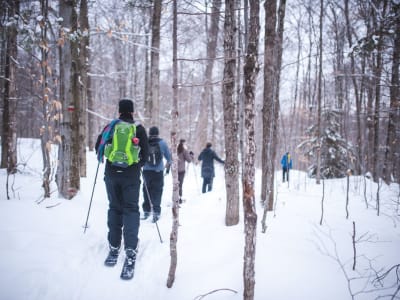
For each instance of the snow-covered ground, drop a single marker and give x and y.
(46, 256)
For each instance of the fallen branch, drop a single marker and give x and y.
(51, 206)
(212, 292)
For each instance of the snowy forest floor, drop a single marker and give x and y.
(46, 256)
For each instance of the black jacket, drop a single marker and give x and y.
(207, 167)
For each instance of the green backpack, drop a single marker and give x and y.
(124, 149)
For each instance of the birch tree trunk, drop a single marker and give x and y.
(250, 215)
(68, 180)
(45, 137)
(9, 132)
(230, 119)
(174, 130)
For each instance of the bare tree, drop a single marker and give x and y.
(9, 130)
(271, 107)
(230, 119)
(152, 108)
(84, 84)
(45, 134)
(250, 215)
(319, 94)
(268, 111)
(68, 178)
(212, 39)
(174, 130)
(392, 152)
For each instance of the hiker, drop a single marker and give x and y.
(286, 163)
(183, 156)
(153, 173)
(122, 180)
(207, 167)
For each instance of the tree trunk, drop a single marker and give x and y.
(205, 101)
(268, 111)
(155, 64)
(278, 61)
(45, 137)
(230, 120)
(174, 129)
(319, 95)
(9, 132)
(250, 215)
(392, 153)
(84, 88)
(356, 89)
(68, 179)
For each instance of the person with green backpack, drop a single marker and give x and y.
(124, 143)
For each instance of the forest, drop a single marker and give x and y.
(257, 79)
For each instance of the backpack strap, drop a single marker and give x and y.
(105, 136)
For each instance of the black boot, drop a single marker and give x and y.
(112, 258)
(146, 214)
(156, 217)
(129, 265)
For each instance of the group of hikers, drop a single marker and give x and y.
(131, 154)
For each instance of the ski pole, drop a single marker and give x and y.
(151, 204)
(91, 198)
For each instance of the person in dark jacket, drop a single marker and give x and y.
(154, 177)
(286, 163)
(183, 156)
(207, 157)
(123, 187)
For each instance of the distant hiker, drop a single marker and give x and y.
(153, 173)
(207, 168)
(183, 156)
(286, 163)
(124, 143)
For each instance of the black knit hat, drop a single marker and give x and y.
(125, 106)
(153, 131)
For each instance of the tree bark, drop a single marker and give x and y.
(268, 110)
(45, 137)
(319, 95)
(155, 65)
(202, 127)
(9, 132)
(85, 84)
(250, 215)
(174, 144)
(68, 178)
(392, 151)
(230, 119)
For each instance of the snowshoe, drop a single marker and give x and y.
(156, 217)
(128, 269)
(112, 258)
(146, 215)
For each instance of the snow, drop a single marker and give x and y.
(45, 255)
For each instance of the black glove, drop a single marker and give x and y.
(167, 167)
(191, 153)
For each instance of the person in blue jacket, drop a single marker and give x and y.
(207, 157)
(153, 173)
(286, 163)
